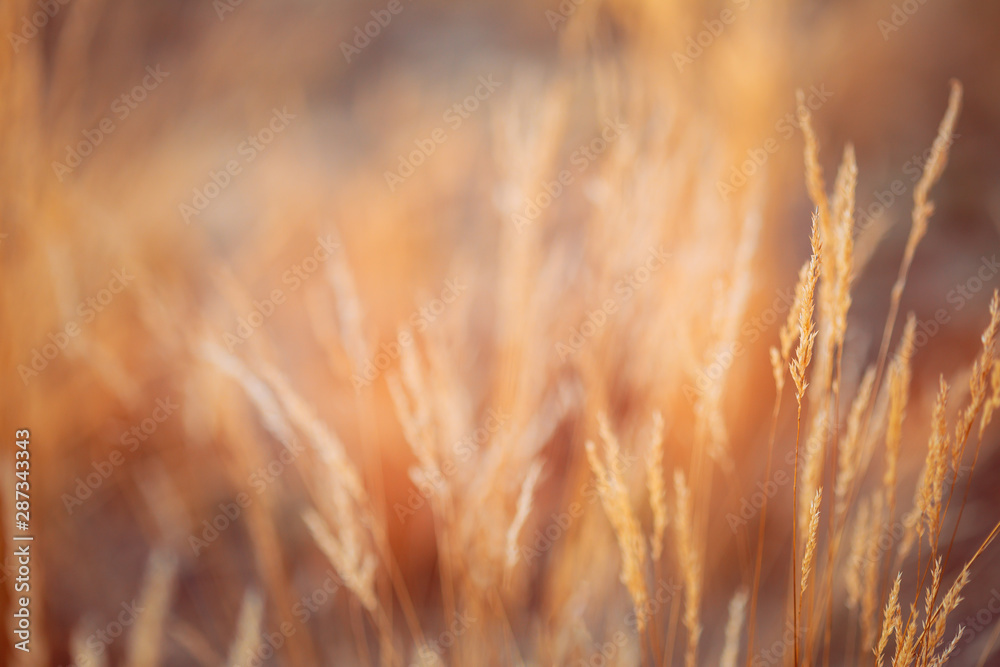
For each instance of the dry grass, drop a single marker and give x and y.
(497, 424)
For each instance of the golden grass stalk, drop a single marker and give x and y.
(922, 210)
(891, 620)
(850, 450)
(868, 241)
(416, 430)
(428, 657)
(799, 365)
(339, 276)
(830, 240)
(777, 370)
(355, 568)
(734, 627)
(779, 361)
(84, 654)
(257, 391)
(343, 498)
(812, 466)
(847, 181)
(936, 463)
(320, 436)
(856, 557)
(811, 539)
(411, 397)
(942, 658)
(790, 329)
(524, 500)
(807, 334)
(157, 591)
(614, 496)
(952, 598)
(248, 629)
(978, 381)
(899, 392)
(708, 409)
(657, 486)
(993, 402)
(932, 590)
(933, 169)
(935, 622)
(690, 562)
(925, 498)
(906, 647)
(963, 427)
(814, 180)
(869, 582)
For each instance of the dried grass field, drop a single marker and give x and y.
(579, 332)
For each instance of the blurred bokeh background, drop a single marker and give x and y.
(245, 168)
